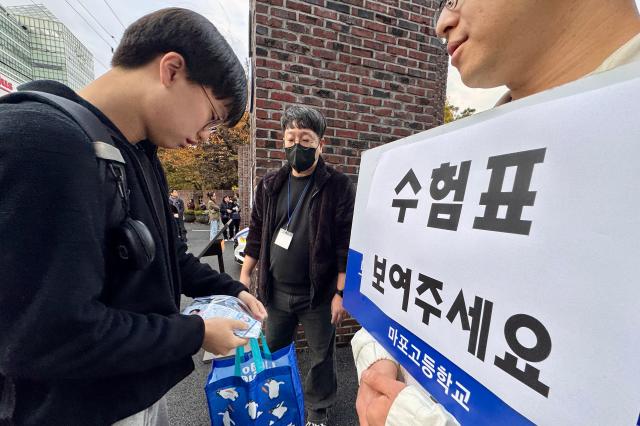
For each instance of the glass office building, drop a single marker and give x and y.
(15, 53)
(56, 54)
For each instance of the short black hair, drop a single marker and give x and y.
(209, 59)
(304, 117)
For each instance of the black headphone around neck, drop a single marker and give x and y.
(132, 242)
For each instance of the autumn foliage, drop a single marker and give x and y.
(452, 112)
(210, 164)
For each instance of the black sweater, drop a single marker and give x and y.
(82, 341)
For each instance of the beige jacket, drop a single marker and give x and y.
(414, 406)
(214, 211)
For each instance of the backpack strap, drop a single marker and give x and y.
(96, 131)
(111, 170)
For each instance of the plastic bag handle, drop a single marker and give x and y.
(265, 347)
(257, 355)
(238, 363)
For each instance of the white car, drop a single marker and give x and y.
(239, 243)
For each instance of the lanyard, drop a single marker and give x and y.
(290, 213)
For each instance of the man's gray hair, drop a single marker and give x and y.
(304, 117)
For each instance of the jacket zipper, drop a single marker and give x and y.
(313, 285)
(267, 247)
(174, 266)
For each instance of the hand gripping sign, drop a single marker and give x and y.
(503, 271)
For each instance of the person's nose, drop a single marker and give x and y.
(448, 19)
(204, 134)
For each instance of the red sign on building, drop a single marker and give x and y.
(6, 85)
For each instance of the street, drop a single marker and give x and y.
(187, 402)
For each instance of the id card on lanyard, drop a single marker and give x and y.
(284, 237)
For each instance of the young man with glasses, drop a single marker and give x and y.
(84, 339)
(528, 46)
(300, 229)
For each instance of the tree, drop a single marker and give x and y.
(452, 112)
(211, 164)
(180, 166)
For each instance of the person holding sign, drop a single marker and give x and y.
(529, 47)
(300, 229)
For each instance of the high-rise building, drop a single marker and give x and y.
(56, 54)
(15, 53)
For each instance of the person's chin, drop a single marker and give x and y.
(469, 78)
(179, 143)
(173, 144)
(474, 77)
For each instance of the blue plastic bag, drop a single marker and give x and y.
(257, 388)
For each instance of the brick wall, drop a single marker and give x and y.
(374, 68)
(245, 189)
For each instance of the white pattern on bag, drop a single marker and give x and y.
(279, 410)
(274, 388)
(252, 410)
(229, 393)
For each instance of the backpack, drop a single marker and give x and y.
(129, 240)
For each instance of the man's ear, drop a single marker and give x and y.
(172, 65)
(322, 142)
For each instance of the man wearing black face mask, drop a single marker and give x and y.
(300, 228)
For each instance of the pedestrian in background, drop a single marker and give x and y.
(214, 215)
(226, 208)
(176, 201)
(176, 221)
(235, 218)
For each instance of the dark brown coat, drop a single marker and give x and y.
(330, 218)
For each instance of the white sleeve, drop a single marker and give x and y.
(366, 351)
(414, 408)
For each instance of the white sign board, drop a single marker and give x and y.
(498, 258)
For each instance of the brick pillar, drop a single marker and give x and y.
(245, 189)
(374, 68)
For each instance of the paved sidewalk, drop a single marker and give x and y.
(187, 403)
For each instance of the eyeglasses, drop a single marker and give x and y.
(442, 5)
(303, 143)
(216, 121)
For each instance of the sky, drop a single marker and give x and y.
(231, 17)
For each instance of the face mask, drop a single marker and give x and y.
(300, 158)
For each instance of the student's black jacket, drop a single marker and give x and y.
(84, 341)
